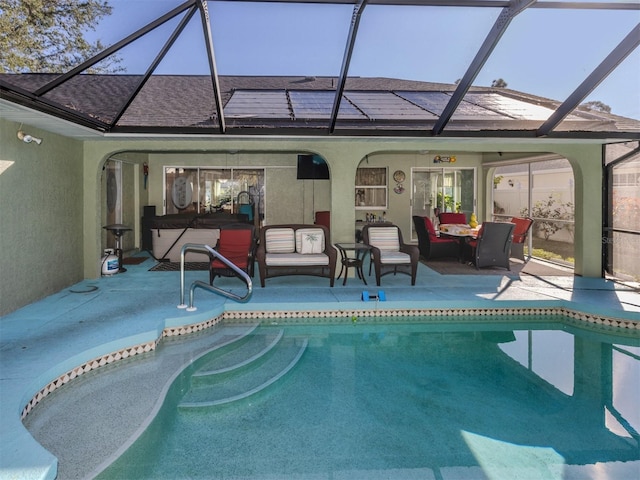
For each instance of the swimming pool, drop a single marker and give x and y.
(470, 399)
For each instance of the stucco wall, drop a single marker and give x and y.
(399, 205)
(41, 221)
(344, 155)
(301, 197)
(52, 196)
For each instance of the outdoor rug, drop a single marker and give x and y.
(133, 260)
(450, 266)
(175, 266)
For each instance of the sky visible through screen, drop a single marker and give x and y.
(544, 52)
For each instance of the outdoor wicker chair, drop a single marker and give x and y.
(389, 254)
(237, 244)
(430, 244)
(492, 248)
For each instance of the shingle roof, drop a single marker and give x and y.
(283, 104)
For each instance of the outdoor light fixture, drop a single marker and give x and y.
(26, 138)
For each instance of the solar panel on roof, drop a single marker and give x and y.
(509, 106)
(435, 102)
(311, 104)
(315, 104)
(262, 104)
(387, 106)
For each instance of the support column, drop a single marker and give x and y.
(587, 171)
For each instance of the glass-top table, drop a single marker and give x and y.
(360, 250)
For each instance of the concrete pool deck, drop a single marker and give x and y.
(45, 342)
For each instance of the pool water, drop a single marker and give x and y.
(399, 401)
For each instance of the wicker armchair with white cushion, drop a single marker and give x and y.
(389, 254)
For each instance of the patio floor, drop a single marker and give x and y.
(42, 341)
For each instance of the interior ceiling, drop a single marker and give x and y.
(37, 104)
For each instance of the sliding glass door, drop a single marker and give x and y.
(207, 190)
(444, 190)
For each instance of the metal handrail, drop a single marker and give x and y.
(213, 254)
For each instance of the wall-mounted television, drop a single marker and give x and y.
(312, 167)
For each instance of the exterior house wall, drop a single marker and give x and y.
(399, 204)
(344, 155)
(68, 192)
(41, 216)
(282, 188)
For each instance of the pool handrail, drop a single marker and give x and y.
(213, 254)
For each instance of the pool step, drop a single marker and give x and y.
(242, 354)
(249, 375)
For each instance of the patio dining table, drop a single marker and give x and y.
(462, 232)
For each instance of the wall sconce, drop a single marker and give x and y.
(510, 182)
(26, 138)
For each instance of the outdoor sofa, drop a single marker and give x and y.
(295, 249)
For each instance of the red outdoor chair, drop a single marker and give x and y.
(452, 218)
(520, 234)
(430, 245)
(236, 244)
(323, 218)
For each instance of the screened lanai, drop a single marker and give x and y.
(372, 84)
(483, 96)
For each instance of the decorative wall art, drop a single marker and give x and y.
(399, 176)
(444, 159)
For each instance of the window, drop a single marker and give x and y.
(626, 179)
(371, 188)
(208, 190)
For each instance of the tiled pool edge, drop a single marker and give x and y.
(344, 315)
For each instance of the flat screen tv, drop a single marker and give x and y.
(312, 167)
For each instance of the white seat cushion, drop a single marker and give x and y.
(387, 256)
(295, 259)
